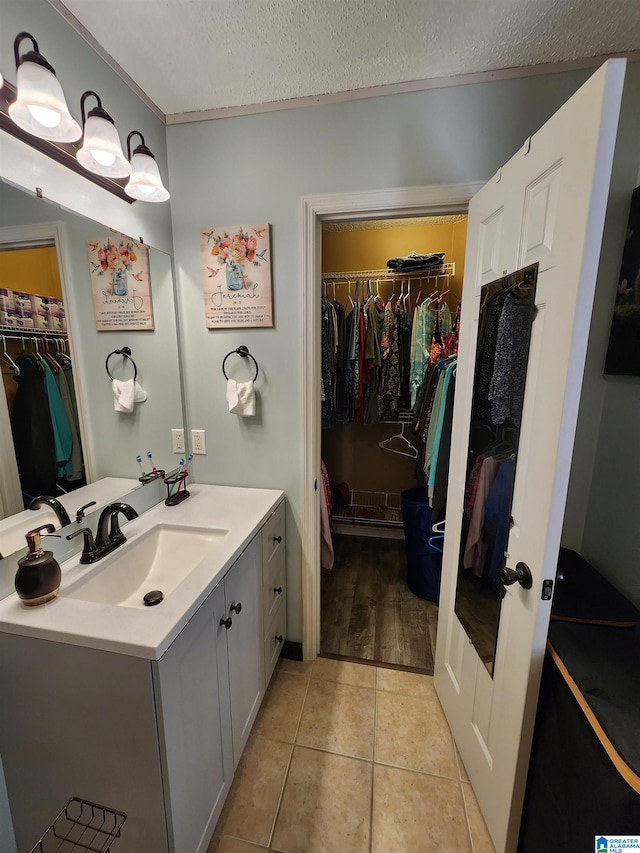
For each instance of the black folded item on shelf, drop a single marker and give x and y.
(414, 261)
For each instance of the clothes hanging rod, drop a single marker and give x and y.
(12, 332)
(389, 275)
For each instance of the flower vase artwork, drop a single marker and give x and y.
(242, 297)
(119, 269)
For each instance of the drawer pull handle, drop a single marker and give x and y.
(278, 590)
(277, 539)
(279, 638)
(226, 622)
(237, 607)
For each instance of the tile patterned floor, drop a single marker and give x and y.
(349, 758)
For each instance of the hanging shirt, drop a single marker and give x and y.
(62, 436)
(506, 391)
(498, 514)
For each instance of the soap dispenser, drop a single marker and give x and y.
(38, 576)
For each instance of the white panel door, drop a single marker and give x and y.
(547, 204)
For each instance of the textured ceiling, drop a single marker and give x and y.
(189, 55)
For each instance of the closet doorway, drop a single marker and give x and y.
(41, 436)
(372, 443)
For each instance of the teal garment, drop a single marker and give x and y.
(435, 427)
(445, 319)
(421, 349)
(62, 435)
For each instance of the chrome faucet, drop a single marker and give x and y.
(108, 534)
(55, 505)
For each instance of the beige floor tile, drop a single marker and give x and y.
(297, 667)
(253, 800)
(462, 770)
(279, 715)
(480, 837)
(413, 733)
(338, 718)
(414, 813)
(325, 806)
(344, 672)
(407, 683)
(226, 844)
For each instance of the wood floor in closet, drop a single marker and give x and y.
(367, 610)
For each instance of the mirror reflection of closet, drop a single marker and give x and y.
(37, 372)
(504, 332)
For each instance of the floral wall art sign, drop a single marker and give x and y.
(236, 276)
(120, 284)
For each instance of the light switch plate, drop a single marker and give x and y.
(198, 441)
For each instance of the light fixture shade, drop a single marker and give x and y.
(101, 151)
(40, 107)
(145, 183)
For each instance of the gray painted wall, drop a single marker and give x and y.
(255, 169)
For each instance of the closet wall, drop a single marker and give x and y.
(351, 452)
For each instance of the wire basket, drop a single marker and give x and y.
(381, 508)
(82, 826)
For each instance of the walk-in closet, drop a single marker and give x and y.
(391, 294)
(38, 408)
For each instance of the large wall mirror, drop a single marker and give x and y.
(39, 241)
(507, 309)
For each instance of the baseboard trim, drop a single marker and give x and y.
(291, 650)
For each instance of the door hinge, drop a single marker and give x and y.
(315, 486)
(547, 590)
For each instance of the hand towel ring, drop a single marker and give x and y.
(126, 352)
(243, 352)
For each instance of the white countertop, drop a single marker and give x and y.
(148, 632)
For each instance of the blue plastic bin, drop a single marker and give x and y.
(424, 562)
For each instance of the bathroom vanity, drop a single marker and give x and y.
(147, 709)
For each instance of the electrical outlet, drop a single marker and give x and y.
(177, 440)
(198, 441)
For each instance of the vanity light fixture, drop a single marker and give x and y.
(40, 107)
(145, 182)
(101, 151)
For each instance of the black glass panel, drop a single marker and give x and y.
(507, 308)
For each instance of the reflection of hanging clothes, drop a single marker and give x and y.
(33, 431)
(498, 515)
(506, 391)
(76, 451)
(473, 546)
(486, 350)
(62, 437)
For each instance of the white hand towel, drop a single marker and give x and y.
(125, 394)
(241, 397)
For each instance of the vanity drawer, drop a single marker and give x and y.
(274, 590)
(272, 644)
(273, 541)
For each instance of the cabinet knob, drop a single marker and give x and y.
(226, 622)
(279, 638)
(278, 590)
(237, 607)
(277, 539)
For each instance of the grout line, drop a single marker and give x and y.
(466, 814)
(286, 775)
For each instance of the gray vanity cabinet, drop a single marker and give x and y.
(157, 739)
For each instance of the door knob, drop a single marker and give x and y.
(237, 607)
(279, 638)
(226, 622)
(278, 590)
(277, 539)
(521, 574)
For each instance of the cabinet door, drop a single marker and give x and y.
(246, 669)
(192, 696)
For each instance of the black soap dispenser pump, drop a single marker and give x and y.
(38, 576)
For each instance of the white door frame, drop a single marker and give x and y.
(31, 235)
(432, 200)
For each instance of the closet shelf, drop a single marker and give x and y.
(379, 508)
(12, 332)
(389, 275)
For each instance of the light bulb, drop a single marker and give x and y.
(145, 189)
(105, 158)
(44, 116)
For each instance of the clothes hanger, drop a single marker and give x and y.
(10, 361)
(412, 453)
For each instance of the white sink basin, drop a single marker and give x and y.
(159, 559)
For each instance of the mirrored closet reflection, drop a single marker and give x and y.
(391, 295)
